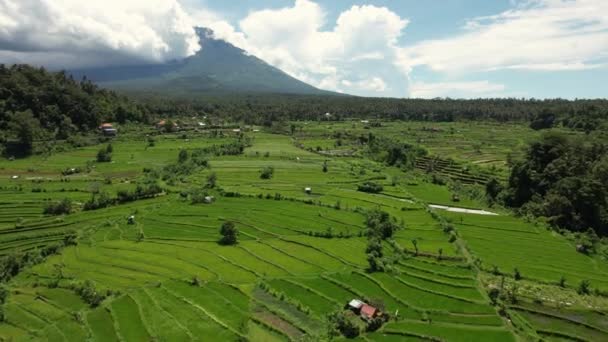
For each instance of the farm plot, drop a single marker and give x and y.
(510, 243)
(300, 256)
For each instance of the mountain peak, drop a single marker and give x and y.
(219, 67)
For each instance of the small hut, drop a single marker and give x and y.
(355, 305)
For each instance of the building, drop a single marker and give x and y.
(355, 305)
(162, 123)
(368, 312)
(308, 190)
(109, 132)
(108, 129)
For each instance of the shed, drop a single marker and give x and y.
(162, 123)
(105, 125)
(110, 132)
(209, 199)
(368, 311)
(308, 190)
(355, 304)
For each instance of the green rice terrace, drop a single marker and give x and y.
(244, 234)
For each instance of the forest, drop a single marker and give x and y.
(39, 105)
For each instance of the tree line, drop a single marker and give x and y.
(270, 108)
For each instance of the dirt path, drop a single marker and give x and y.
(462, 210)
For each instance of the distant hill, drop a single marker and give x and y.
(218, 67)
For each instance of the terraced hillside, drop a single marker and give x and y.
(300, 257)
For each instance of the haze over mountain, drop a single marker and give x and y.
(216, 68)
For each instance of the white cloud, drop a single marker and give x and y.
(544, 35)
(374, 84)
(294, 40)
(456, 89)
(94, 32)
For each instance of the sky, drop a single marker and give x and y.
(404, 48)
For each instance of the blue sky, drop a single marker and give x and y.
(503, 27)
(404, 48)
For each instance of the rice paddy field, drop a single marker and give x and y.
(300, 256)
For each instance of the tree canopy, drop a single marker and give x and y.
(565, 179)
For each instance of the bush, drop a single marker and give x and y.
(62, 207)
(267, 172)
(584, 288)
(198, 196)
(211, 180)
(229, 233)
(516, 274)
(98, 201)
(344, 325)
(183, 156)
(89, 293)
(104, 155)
(370, 187)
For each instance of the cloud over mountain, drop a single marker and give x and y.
(75, 32)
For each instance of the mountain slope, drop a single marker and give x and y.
(217, 67)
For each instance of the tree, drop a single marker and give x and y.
(415, 243)
(545, 119)
(229, 233)
(27, 129)
(584, 287)
(374, 254)
(267, 172)
(370, 187)
(325, 166)
(342, 323)
(211, 180)
(90, 294)
(104, 155)
(562, 281)
(3, 294)
(62, 207)
(516, 274)
(380, 225)
(493, 188)
(182, 157)
(169, 126)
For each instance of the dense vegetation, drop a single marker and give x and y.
(266, 109)
(565, 179)
(39, 105)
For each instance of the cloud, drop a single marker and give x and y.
(542, 35)
(296, 40)
(95, 32)
(374, 84)
(456, 89)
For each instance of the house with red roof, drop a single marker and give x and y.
(368, 312)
